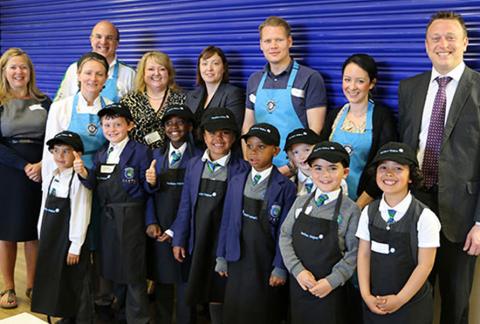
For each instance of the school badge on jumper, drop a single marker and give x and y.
(129, 173)
(339, 219)
(92, 129)
(271, 105)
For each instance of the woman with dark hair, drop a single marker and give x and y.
(155, 90)
(213, 89)
(362, 126)
(23, 114)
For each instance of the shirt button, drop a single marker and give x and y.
(320, 236)
(388, 228)
(392, 250)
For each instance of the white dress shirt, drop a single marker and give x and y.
(455, 74)
(114, 155)
(80, 206)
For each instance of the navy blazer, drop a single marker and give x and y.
(281, 192)
(227, 96)
(184, 226)
(161, 156)
(136, 156)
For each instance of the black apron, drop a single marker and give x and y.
(389, 272)
(315, 241)
(57, 288)
(162, 266)
(204, 284)
(248, 296)
(122, 231)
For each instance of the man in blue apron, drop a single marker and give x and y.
(104, 41)
(284, 94)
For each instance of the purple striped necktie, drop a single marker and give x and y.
(435, 134)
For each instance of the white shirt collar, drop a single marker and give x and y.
(263, 174)
(64, 173)
(180, 150)
(332, 196)
(401, 208)
(455, 74)
(82, 102)
(119, 146)
(222, 161)
(302, 177)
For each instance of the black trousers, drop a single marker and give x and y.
(453, 268)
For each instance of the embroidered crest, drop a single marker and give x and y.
(129, 173)
(271, 105)
(275, 211)
(92, 129)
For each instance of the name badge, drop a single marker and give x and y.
(152, 137)
(382, 248)
(36, 107)
(299, 93)
(107, 168)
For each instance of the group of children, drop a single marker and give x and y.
(213, 227)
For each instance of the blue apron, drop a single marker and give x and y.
(110, 89)
(358, 146)
(88, 127)
(274, 106)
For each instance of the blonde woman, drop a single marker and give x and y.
(155, 89)
(23, 114)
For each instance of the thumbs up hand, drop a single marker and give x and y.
(78, 166)
(151, 174)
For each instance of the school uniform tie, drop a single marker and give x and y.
(435, 134)
(256, 179)
(391, 216)
(212, 166)
(321, 199)
(175, 158)
(308, 186)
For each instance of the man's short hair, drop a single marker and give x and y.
(275, 21)
(448, 15)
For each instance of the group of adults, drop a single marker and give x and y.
(445, 131)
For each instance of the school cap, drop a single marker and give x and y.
(181, 111)
(219, 118)
(397, 152)
(301, 136)
(330, 151)
(115, 109)
(267, 133)
(67, 138)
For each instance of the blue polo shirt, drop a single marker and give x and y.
(308, 88)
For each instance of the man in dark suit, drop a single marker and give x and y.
(439, 115)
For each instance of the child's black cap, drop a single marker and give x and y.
(66, 138)
(267, 133)
(217, 119)
(397, 152)
(116, 109)
(330, 151)
(301, 136)
(181, 111)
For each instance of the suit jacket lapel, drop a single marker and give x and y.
(126, 154)
(196, 96)
(458, 103)
(217, 97)
(274, 187)
(418, 103)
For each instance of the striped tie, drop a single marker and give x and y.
(211, 166)
(175, 158)
(391, 216)
(321, 199)
(256, 179)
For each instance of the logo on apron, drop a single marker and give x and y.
(92, 129)
(271, 105)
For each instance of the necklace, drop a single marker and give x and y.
(155, 98)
